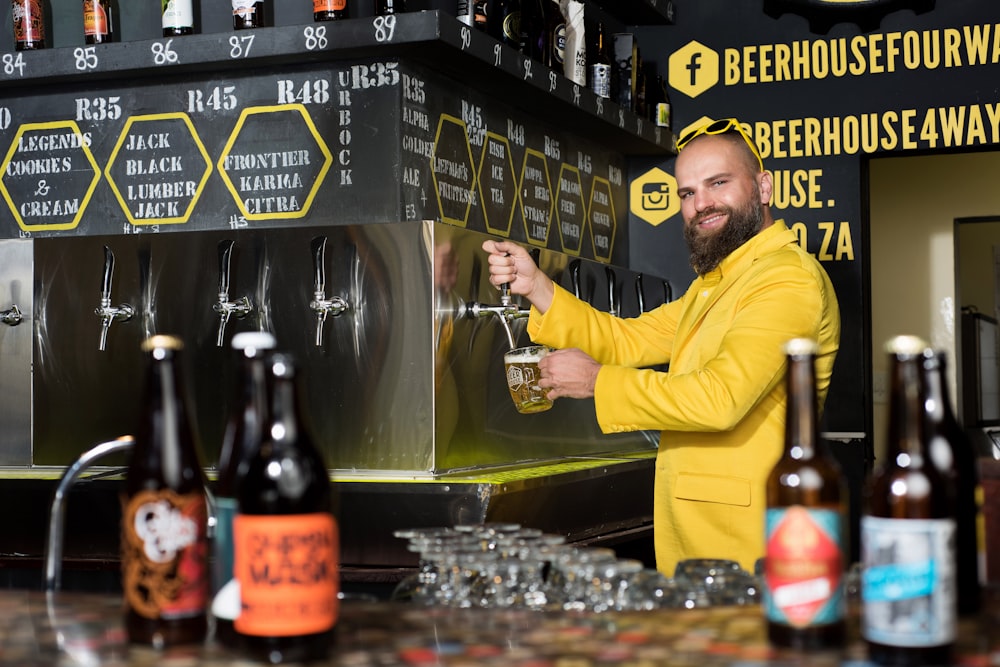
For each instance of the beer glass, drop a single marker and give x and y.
(521, 365)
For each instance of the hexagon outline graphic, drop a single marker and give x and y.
(531, 152)
(504, 232)
(614, 219)
(320, 176)
(653, 197)
(28, 127)
(473, 187)
(564, 168)
(693, 69)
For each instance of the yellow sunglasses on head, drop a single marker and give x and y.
(721, 127)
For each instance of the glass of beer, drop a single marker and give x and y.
(521, 365)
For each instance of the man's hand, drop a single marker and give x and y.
(510, 263)
(568, 373)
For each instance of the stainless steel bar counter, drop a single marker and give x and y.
(86, 629)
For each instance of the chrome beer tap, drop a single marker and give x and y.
(640, 295)
(320, 305)
(108, 313)
(613, 306)
(507, 311)
(12, 316)
(224, 307)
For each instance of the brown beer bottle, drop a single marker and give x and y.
(286, 536)
(164, 513)
(243, 434)
(386, 7)
(601, 65)
(953, 455)
(29, 24)
(98, 24)
(329, 10)
(805, 534)
(908, 532)
(250, 14)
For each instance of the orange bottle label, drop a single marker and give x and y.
(164, 554)
(29, 21)
(286, 566)
(95, 19)
(329, 5)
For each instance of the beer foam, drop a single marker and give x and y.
(526, 357)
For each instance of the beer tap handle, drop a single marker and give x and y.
(225, 261)
(105, 310)
(640, 296)
(612, 291)
(318, 246)
(11, 316)
(574, 277)
(668, 292)
(107, 276)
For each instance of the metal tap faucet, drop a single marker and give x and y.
(12, 316)
(224, 307)
(613, 306)
(506, 312)
(108, 313)
(320, 305)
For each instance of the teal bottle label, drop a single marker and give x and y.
(225, 590)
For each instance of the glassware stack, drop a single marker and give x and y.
(503, 565)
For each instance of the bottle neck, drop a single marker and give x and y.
(906, 412)
(284, 423)
(802, 415)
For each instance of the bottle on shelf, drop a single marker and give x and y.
(465, 11)
(98, 22)
(177, 17)
(386, 7)
(908, 599)
(600, 65)
(663, 112)
(286, 535)
(954, 456)
(243, 434)
(329, 10)
(29, 24)
(503, 21)
(534, 35)
(805, 547)
(641, 89)
(555, 28)
(249, 14)
(164, 513)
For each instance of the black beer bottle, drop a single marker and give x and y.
(98, 23)
(806, 508)
(177, 17)
(908, 532)
(243, 434)
(952, 453)
(329, 10)
(504, 20)
(534, 36)
(249, 14)
(29, 24)
(386, 7)
(600, 66)
(164, 514)
(555, 27)
(286, 536)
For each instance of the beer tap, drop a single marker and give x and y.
(613, 306)
(640, 295)
(108, 313)
(320, 305)
(224, 307)
(12, 316)
(668, 292)
(574, 277)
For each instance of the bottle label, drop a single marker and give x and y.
(245, 8)
(95, 19)
(559, 43)
(286, 566)
(226, 600)
(29, 21)
(600, 80)
(663, 114)
(908, 581)
(164, 554)
(512, 28)
(177, 14)
(329, 5)
(804, 566)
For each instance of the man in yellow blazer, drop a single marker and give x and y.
(721, 405)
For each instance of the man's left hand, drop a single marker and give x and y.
(568, 373)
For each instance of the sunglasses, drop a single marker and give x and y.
(721, 127)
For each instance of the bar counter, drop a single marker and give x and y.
(85, 629)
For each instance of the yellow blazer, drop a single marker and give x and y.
(721, 406)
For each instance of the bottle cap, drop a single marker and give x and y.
(162, 342)
(254, 340)
(906, 345)
(800, 347)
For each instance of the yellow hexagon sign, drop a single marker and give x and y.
(653, 196)
(693, 69)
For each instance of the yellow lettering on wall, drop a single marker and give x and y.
(845, 243)
(824, 254)
(831, 249)
(797, 188)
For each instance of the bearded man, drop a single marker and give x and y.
(721, 405)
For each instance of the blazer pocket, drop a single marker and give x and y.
(712, 489)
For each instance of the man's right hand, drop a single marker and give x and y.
(510, 263)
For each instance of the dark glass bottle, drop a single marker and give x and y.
(805, 535)
(249, 14)
(534, 35)
(663, 112)
(503, 21)
(599, 75)
(98, 22)
(465, 11)
(29, 24)
(286, 536)
(952, 453)
(164, 513)
(908, 532)
(555, 27)
(329, 10)
(177, 17)
(386, 7)
(239, 442)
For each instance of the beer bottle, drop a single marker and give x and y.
(286, 536)
(386, 7)
(555, 27)
(534, 36)
(329, 10)
(465, 11)
(953, 455)
(29, 24)
(908, 532)
(248, 14)
(178, 17)
(164, 513)
(804, 522)
(663, 110)
(600, 66)
(98, 23)
(242, 436)
(503, 20)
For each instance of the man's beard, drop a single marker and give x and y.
(708, 250)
